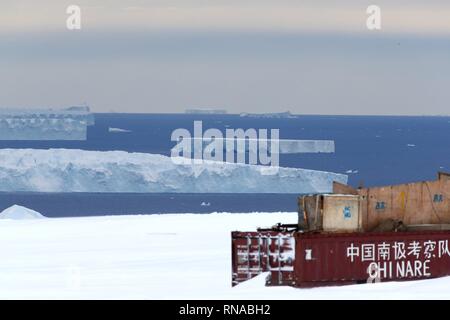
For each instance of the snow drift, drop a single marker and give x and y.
(17, 212)
(64, 170)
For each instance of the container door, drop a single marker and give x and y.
(257, 252)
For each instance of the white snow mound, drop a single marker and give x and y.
(17, 212)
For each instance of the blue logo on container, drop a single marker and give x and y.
(438, 198)
(380, 205)
(347, 213)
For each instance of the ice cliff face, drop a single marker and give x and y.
(45, 124)
(63, 170)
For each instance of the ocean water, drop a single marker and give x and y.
(372, 150)
(97, 204)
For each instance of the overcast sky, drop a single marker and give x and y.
(239, 55)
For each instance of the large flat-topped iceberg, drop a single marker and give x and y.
(45, 124)
(64, 170)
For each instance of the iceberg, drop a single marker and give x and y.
(118, 130)
(276, 115)
(286, 146)
(17, 212)
(306, 146)
(45, 124)
(71, 170)
(205, 111)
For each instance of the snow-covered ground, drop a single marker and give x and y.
(172, 256)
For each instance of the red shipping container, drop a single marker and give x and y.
(340, 258)
(323, 259)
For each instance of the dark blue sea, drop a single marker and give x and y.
(377, 150)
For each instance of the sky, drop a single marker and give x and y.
(309, 57)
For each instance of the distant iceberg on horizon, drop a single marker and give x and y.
(45, 123)
(273, 115)
(205, 111)
(71, 170)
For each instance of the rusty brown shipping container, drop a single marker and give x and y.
(417, 203)
(340, 258)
